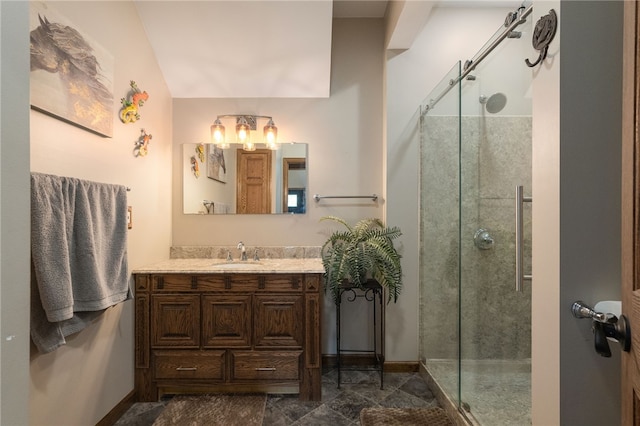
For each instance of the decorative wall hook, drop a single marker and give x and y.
(129, 111)
(543, 34)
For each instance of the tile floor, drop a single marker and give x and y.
(358, 390)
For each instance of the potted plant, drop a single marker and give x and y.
(362, 252)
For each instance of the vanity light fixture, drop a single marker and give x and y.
(217, 134)
(244, 125)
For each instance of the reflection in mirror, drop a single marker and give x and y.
(233, 181)
(294, 179)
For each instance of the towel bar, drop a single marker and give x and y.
(318, 197)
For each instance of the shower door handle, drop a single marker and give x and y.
(520, 275)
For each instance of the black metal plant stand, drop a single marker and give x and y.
(370, 291)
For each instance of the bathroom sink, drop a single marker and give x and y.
(236, 265)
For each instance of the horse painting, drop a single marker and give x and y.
(67, 79)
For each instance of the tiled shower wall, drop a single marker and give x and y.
(495, 320)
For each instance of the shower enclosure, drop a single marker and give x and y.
(475, 328)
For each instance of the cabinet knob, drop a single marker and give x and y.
(186, 368)
(265, 369)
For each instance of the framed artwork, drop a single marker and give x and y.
(71, 75)
(216, 168)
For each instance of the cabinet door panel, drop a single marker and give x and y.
(226, 320)
(278, 321)
(176, 320)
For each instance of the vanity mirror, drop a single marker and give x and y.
(234, 181)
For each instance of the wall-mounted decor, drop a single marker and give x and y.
(200, 152)
(71, 75)
(216, 168)
(543, 34)
(195, 168)
(142, 144)
(132, 103)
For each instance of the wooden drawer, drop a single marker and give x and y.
(265, 365)
(189, 365)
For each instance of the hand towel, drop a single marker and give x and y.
(79, 253)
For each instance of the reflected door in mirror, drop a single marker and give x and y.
(253, 185)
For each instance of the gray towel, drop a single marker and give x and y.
(78, 252)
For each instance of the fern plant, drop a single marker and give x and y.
(362, 252)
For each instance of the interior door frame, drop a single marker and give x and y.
(630, 228)
(287, 163)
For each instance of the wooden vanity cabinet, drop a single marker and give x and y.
(227, 333)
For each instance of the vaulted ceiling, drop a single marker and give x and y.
(266, 48)
(244, 48)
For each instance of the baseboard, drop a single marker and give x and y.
(401, 366)
(331, 361)
(117, 411)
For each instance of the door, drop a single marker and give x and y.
(254, 181)
(631, 215)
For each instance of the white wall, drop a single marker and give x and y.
(80, 382)
(14, 213)
(545, 347)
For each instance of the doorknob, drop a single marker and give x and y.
(605, 326)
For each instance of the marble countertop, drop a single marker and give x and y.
(199, 266)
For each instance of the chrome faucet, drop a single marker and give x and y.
(243, 251)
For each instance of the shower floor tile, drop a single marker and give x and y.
(493, 392)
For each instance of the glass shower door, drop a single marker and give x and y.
(495, 157)
(439, 233)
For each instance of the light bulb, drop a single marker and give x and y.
(242, 130)
(217, 133)
(271, 135)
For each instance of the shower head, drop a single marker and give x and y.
(494, 103)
